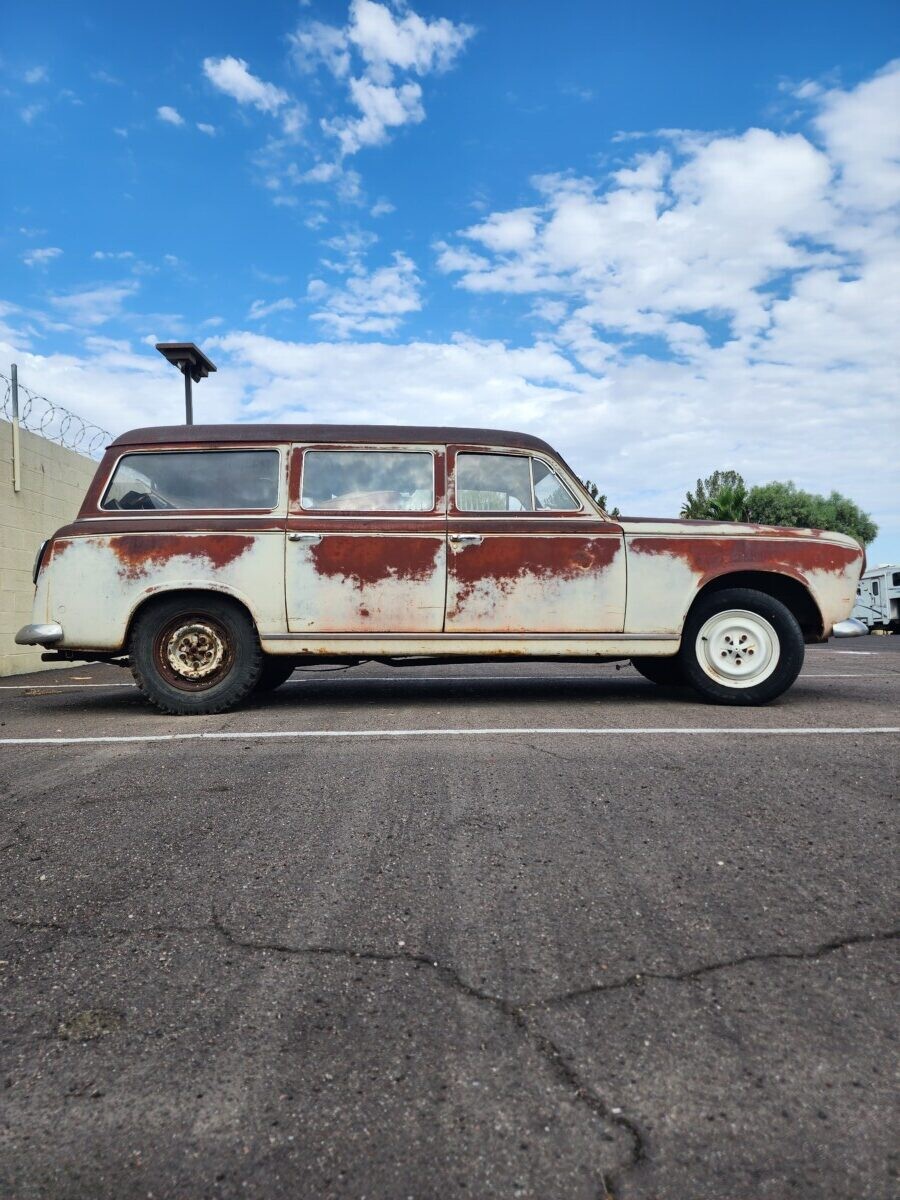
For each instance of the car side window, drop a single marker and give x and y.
(493, 483)
(195, 479)
(368, 481)
(549, 490)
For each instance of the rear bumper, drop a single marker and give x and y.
(849, 628)
(40, 635)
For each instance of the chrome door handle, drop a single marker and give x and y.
(293, 536)
(466, 539)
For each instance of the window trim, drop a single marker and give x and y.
(539, 513)
(187, 513)
(372, 513)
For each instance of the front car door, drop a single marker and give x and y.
(526, 552)
(366, 539)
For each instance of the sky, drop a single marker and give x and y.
(662, 236)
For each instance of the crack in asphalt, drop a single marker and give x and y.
(639, 978)
(517, 1013)
(562, 1067)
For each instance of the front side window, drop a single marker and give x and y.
(509, 483)
(368, 481)
(493, 483)
(195, 479)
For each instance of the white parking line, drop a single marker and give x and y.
(46, 687)
(516, 731)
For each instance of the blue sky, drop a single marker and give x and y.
(664, 236)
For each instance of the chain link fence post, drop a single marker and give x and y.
(16, 450)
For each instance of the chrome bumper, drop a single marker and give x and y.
(39, 635)
(849, 628)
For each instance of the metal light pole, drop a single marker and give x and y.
(192, 363)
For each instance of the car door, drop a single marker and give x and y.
(526, 554)
(366, 539)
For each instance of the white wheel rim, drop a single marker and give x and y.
(737, 648)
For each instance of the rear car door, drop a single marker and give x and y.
(525, 553)
(366, 539)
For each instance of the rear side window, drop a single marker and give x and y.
(195, 479)
(368, 481)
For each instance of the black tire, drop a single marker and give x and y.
(741, 647)
(668, 672)
(276, 670)
(195, 654)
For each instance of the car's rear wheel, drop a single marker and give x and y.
(668, 672)
(276, 670)
(195, 654)
(741, 647)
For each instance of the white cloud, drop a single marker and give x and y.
(112, 255)
(40, 256)
(209, 130)
(381, 108)
(861, 129)
(31, 112)
(384, 44)
(369, 302)
(170, 115)
(259, 309)
(36, 75)
(406, 42)
(233, 77)
(381, 208)
(505, 232)
(94, 306)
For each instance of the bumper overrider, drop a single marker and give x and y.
(40, 635)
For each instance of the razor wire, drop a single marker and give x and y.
(50, 420)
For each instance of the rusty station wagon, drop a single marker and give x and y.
(215, 559)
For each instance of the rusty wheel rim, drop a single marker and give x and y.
(193, 652)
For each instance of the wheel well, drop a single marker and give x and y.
(160, 597)
(792, 594)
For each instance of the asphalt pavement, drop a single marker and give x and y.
(487, 930)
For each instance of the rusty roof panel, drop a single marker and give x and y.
(174, 435)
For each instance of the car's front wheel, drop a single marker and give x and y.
(195, 654)
(741, 647)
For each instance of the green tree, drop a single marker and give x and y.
(784, 504)
(719, 497)
(600, 498)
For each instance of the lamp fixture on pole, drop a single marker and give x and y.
(192, 363)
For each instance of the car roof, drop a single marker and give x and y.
(178, 435)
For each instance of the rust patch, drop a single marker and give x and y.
(708, 557)
(366, 561)
(503, 561)
(138, 554)
(56, 550)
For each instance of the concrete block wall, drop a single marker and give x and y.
(54, 481)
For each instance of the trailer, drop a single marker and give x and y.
(878, 598)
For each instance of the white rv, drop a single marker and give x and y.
(878, 597)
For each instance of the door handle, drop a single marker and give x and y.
(312, 538)
(466, 539)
